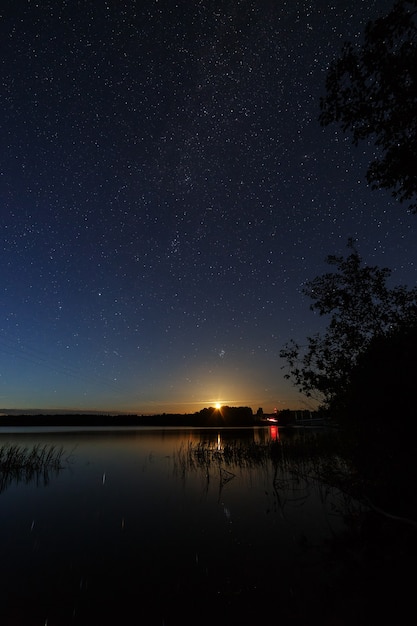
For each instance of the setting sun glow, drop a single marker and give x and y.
(218, 405)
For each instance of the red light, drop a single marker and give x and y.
(274, 434)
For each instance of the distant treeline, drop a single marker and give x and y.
(226, 416)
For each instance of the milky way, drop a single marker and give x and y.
(165, 192)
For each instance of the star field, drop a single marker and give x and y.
(165, 192)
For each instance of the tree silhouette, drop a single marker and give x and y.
(372, 92)
(361, 307)
(382, 386)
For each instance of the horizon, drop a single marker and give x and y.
(9, 412)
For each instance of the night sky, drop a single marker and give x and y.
(165, 192)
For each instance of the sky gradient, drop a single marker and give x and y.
(165, 192)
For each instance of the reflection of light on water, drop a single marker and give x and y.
(227, 514)
(219, 442)
(274, 433)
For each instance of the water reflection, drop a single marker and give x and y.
(257, 461)
(128, 529)
(274, 433)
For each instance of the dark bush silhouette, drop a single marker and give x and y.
(382, 392)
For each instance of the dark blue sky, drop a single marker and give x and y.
(165, 192)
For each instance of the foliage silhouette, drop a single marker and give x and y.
(382, 385)
(362, 308)
(372, 92)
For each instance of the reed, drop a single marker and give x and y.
(321, 457)
(19, 463)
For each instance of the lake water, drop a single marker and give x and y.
(127, 533)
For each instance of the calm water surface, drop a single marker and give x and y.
(126, 534)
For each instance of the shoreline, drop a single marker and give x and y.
(97, 420)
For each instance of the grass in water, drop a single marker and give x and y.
(320, 458)
(19, 463)
(296, 454)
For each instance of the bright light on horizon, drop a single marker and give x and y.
(218, 405)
